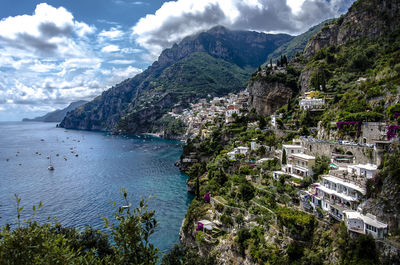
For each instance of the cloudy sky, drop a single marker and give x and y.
(56, 52)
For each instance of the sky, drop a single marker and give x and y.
(55, 52)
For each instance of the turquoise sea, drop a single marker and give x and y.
(79, 191)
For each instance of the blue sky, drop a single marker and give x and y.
(55, 52)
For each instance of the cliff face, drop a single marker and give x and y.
(367, 19)
(267, 97)
(213, 63)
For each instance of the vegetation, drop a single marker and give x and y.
(51, 243)
(186, 256)
(296, 45)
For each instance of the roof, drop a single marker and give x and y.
(344, 183)
(243, 147)
(264, 159)
(365, 166)
(371, 220)
(304, 156)
(292, 146)
(207, 224)
(352, 214)
(368, 219)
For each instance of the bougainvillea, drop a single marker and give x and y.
(392, 131)
(200, 226)
(207, 197)
(342, 124)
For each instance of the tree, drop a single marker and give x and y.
(50, 243)
(284, 60)
(246, 190)
(198, 187)
(186, 256)
(270, 62)
(321, 166)
(284, 157)
(243, 236)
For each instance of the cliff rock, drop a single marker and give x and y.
(369, 19)
(267, 97)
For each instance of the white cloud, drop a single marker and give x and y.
(48, 31)
(177, 19)
(48, 59)
(122, 61)
(112, 33)
(118, 75)
(110, 48)
(131, 50)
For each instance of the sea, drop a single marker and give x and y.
(90, 169)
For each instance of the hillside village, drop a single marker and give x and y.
(346, 166)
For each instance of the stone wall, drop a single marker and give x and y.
(361, 153)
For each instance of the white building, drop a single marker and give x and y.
(254, 145)
(242, 149)
(237, 150)
(273, 120)
(364, 224)
(363, 170)
(299, 165)
(292, 149)
(230, 111)
(311, 103)
(336, 195)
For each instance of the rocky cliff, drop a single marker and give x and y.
(267, 97)
(365, 19)
(212, 63)
(271, 88)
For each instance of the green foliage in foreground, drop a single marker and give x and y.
(50, 243)
(186, 256)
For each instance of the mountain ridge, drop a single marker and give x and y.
(59, 114)
(135, 96)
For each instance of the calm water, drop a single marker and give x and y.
(80, 189)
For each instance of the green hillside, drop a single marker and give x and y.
(297, 44)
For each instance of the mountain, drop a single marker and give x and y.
(360, 45)
(297, 44)
(58, 115)
(365, 19)
(213, 63)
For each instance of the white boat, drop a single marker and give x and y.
(50, 167)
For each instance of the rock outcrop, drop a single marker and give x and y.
(267, 97)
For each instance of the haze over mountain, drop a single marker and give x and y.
(58, 115)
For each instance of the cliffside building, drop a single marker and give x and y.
(312, 103)
(364, 224)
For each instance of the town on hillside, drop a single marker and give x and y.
(327, 175)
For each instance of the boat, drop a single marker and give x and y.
(50, 167)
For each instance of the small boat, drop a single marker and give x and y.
(7, 159)
(76, 155)
(50, 167)
(65, 159)
(42, 140)
(57, 154)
